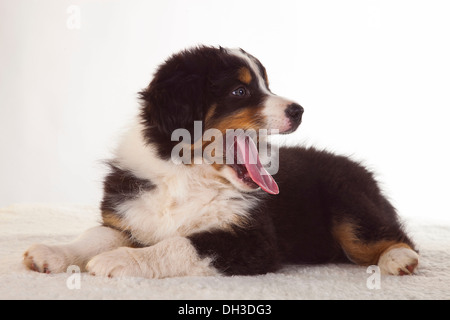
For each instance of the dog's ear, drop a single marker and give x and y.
(175, 98)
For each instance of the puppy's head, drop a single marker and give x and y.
(224, 89)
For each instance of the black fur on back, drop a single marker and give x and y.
(317, 191)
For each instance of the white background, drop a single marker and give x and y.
(373, 77)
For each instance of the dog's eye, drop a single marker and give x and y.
(239, 92)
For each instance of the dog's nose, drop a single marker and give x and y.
(294, 112)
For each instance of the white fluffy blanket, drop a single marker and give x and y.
(22, 225)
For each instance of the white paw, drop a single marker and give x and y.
(45, 259)
(398, 261)
(115, 263)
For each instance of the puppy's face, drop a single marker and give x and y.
(224, 89)
(243, 99)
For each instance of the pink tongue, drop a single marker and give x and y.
(247, 154)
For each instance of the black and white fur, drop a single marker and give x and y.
(162, 219)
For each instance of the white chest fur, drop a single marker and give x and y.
(185, 200)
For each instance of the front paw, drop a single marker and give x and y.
(45, 259)
(115, 263)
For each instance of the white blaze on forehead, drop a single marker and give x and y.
(254, 67)
(274, 106)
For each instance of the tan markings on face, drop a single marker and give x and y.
(358, 251)
(248, 118)
(244, 75)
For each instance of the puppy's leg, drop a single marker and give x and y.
(394, 257)
(172, 257)
(56, 258)
(398, 259)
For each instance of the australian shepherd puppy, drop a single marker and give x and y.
(167, 216)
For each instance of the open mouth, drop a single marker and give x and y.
(248, 167)
(243, 174)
